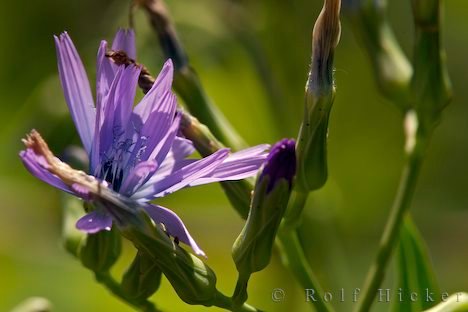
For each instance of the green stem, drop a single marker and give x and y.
(240, 293)
(295, 207)
(224, 302)
(109, 282)
(296, 260)
(391, 232)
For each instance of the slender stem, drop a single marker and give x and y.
(224, 302)
(109, 282)
(296, 260)
(391, 232)
(240, 293)
(296, 205)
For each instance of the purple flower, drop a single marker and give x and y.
(134, 150)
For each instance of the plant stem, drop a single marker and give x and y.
(391, 232)
(109, 282)
(224, 302)
(296, 260)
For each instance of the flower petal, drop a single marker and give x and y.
(182, 177)
(156, 134)
(36, 165)
(76, 89)
(116, 130)
(124, 40)
(162, 85)
(94, 222)
(181, 148)
(104, 77)
(237, 166)
(138, 176)
(174, 226)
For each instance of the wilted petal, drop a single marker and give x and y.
(81, 191)
(37, 166)
(183, 177)
(173, 224)
(94, 222)
(76, 89)
(124, 40)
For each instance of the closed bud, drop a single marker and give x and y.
(193, 280)
(320, 93)
(142, 278)
(34, 304)
(392, 69)
(252, 249)
(71, 212)
(100, 251)
(430, 84)
(72, 206)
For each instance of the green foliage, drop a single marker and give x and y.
(415, 272)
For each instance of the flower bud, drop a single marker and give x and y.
(392, 70)
(252, 249)
(320, 93)
(193, 280)
(33, 304)
(430, 84)
(100, 251)
(142, 278)
(457, 302)
(71, 212)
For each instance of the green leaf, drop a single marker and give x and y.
(415, 273)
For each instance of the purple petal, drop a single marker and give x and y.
(116, 114)
(181, 148)
(237, 166)
(155, 136)
(183, 177)
(124, 40)
(94, 222)
(37, 166)
(76, 89)
(258, 150)
(162, 85)
(104, 77)
(138, 176)
(174, 226)
(81, 191)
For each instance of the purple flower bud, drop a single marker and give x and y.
(280, 163)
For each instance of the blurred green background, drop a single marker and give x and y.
(254, 66)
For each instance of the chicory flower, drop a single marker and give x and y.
(135, 151)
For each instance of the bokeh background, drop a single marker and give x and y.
(255, 69)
